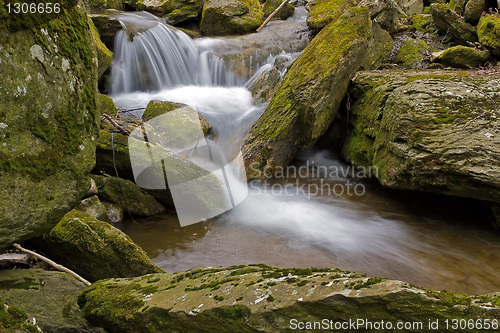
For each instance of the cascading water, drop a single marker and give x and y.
(150, 55)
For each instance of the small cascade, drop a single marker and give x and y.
(150, 55)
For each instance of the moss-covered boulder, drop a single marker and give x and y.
(127, 195)
(322, 12)
(463, 57)
(412, 7)
(259, 298)
(264, 86)
(473, 10)
(458, 6)
(423, 23)
(13, 320)
(104, 55)
(450, 23)
(284, 13)
(94, 249)
(105, 4)
(412, 53)
(307, 100)
(174, 11)
(488, 31)
(48, 297)
(226, 17)
(433, 131)
(107, 105)
(107, 26)
(93, 207)
(49, 117)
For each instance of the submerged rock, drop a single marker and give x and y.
(49, 297)
(95, 249)
(225, 17)
(449, 23)
(488, 31)
(308, 98)
(49, 118)
(259, 298)
(174, 11)
(433, 131)
(463, 57)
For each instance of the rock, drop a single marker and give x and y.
(264, 86)
(463, 57)
(322, 12)
(259, 298)
(458, 6)
(412, 7)
(226, 17)
(109, 144)
(473, 11)
(488, 31)
(446, 140)
(104, 55)
(92, 190)
(448, 22)
(412, 53)
(107, 105)
(127, 195)
(94, 249)
(105, 4)
(283, 14)
(423, 23)
(107, 26)
(386, 13)
(94, 208)
(14, 319)
(174, 11)
(49, 118)
(49, 297)
(115, 212)
(306, 102)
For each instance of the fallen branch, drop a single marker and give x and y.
(272, 15)
(115, 124)
(51, 263)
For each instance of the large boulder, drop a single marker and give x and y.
(307, 100)
(259, 298)
(322, 12)
(450, 23)
(473, 10)
(226, 17)
(433, 131)
(463, 57)
(488, 31)
(94, 249)
(174, 11)
(48, 297)
(49, 118)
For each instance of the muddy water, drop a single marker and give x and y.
(426, 240)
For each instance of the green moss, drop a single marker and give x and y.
(488, 31)
(463, 57)
(448, 298)
(322, 12)
(225, 17)
(423, 23)
(365, 284)
(412, 53)
(283, 14)
(14, 320)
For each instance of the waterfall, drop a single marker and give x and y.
(150, 55)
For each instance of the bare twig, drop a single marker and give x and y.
(51, 263)
(272, 15)
(115, 124)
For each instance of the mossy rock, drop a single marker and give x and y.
(488, 31)
(174, 11)
(430, 131)
(258, 298)
(48, 297)
(322, 12)
(93, 207)
(411, 7)
(450, 23)
(264, 87)
(284, 13)
(104, 55)
(463, 57)
(49, 117)
(423, 23)
(226, 17)
(473, 11)
(412, 53)
(458, 6)
(307, 100)
(107, 105)
(107, 26)
(127, 195)
(95, 249)
(106, 4)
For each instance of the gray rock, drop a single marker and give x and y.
(463, 57)
(94, 208)
(448, 22)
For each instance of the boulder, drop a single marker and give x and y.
(93, 207)
(104, 55)
(112, 152)
(458, 6)
(127, 195)
(412, 53)
(259, 298)
(48, 297)
(322, 12)
(15, 319)
(473, 11)
(174, 11)
(49, 118)
(226, 17)
(307, 100)
(94, 249)
(115, 212)
(107, 26)
(263, 87)
(463, 57)
(284, 13)
(412, 7)
(488, 31)
(432, 131)
(105, 4)
(448, 22)
(107, 105)
(423, 23)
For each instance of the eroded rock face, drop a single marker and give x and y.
(226, 17)
(306, 102)
(49, 118)
(433, 131)
(259, 298)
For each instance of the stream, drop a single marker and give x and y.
(423, 239)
